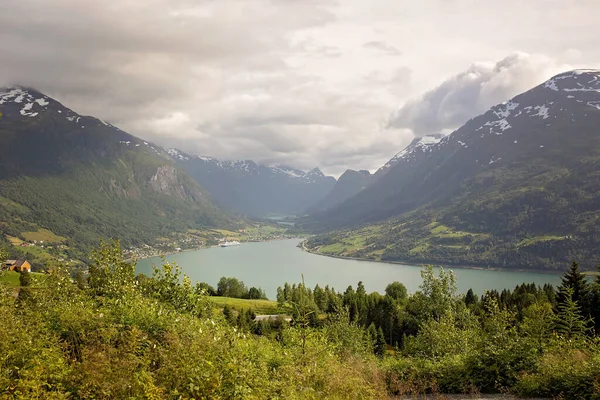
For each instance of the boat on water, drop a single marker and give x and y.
(229, 244)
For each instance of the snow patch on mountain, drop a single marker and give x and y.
(22, 96)
(595, 104)
(422, 145)
(175, 153)
(542, 111)
(582, 80)
(294, 173)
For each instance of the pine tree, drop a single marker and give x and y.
(569, 321)
(595, 302)
(576, 281)
(380, 344)
(470, 298)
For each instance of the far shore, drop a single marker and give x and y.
(204, 248)
(434, 263)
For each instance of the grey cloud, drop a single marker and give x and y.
(382, 46)
(299, 82)
(472, 92)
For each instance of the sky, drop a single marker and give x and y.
(334, 84)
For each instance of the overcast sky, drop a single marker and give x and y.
(335, 84)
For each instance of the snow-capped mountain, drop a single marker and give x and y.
(85, 179)
(545, 140)
(253, 189)
(417, 148)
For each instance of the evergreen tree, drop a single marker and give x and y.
(594, 296)
(470, 298)
(576, 281)
(320, 297)
(569, 321)
(380, 344)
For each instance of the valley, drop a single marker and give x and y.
(299, 200)
(509, 189)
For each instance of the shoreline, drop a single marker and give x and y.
(205, 248)
(435, 263)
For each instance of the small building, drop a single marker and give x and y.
(17, 265)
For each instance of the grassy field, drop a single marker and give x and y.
(43, 235)
(15, 241)
(259, 307)
(531, 240)
(10, 277)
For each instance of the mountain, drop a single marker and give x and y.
(515, 187)
(256, 190)
(78, 178)
(417, 149)
(349, 184)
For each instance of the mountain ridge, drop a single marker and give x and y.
(84, 179)
(257, 190)
(525, 168)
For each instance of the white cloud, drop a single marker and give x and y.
(474, 91)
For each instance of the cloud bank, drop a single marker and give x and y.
(472, 92)
(299, 82)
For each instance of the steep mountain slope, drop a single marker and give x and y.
(349, 184)
(256, 190)
(352, 182)
(515, 187)
(415, 151)
(84, 179)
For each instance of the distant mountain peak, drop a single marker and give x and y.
(315, 172)
(30, 102)
(178, 154)
(286, 169)
(578, 80)
(255, 189)
(418, 145)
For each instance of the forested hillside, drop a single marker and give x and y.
(82, 179)
(516, 187)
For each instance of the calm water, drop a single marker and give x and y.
(271, 264)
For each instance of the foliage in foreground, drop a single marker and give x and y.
(117, 335)
(127, 337)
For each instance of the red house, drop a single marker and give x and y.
(17, 265)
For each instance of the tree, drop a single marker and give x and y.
(254, 293)
(228, 315)
(25, 278)
(396, 291)
(569, 321)
(538, 320)
(109, 274)
(380, 344)
(595, 302)
(232, 287)
(280, 297)
(438, 293)
(205, 288)
(471, 298)
(320, 297)
(576, 281)
(80, 279)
